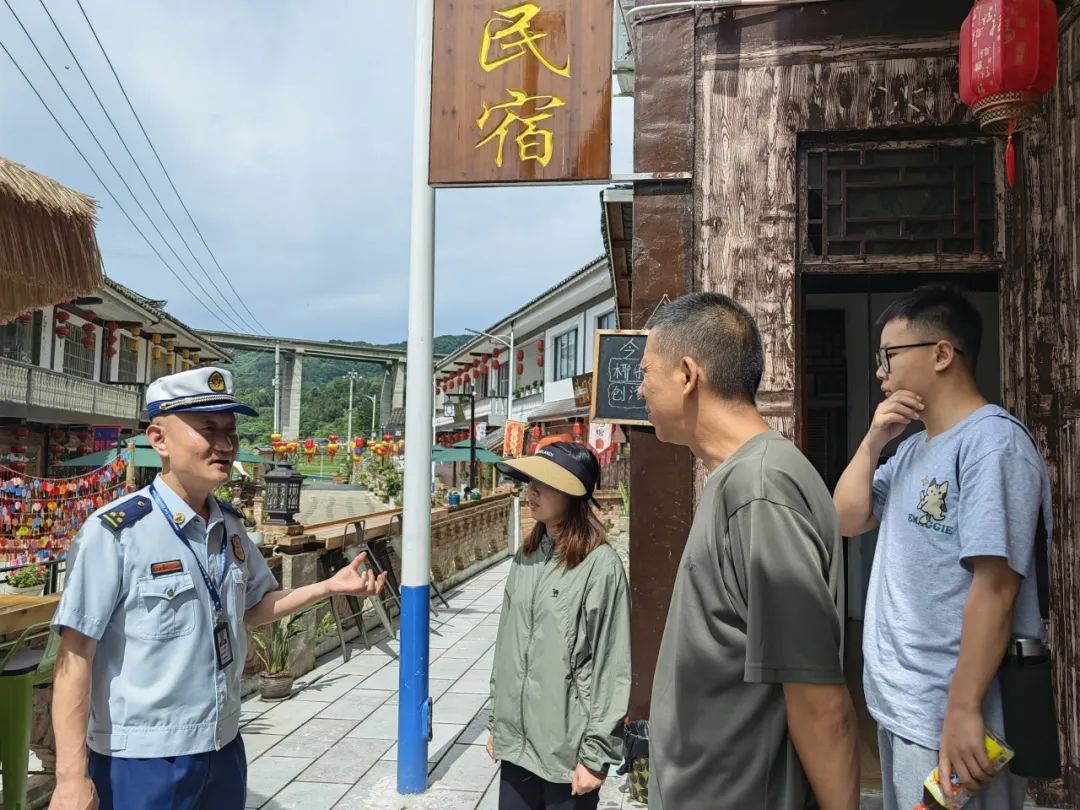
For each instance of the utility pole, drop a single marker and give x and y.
(472, 437)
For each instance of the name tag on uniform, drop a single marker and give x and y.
(222, 645)
(160, 569)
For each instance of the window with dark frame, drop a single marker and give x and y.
(21, 340)
(865, 200)
(504, 378)
(566, 355)
(78, 359)
(128, 366)
(607, 321)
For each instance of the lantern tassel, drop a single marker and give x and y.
(1010, 155)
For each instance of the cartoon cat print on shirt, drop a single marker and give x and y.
(933, 505)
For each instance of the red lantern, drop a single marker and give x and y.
(88, 328)
(476, 362)
(333, 438)
(62, 332)
(89, 315)
(496, 352)
(20, 431)
(111, 339)
(540, 345)
(520, 369)
(112, 326)
(475, 374)
(495, 364)
(58, 436)
(387, 437)
(110, 352)
(520, 354)
(1008, 60)
(25, 317)
(540, 360)
(18, 449)
(87, 342)
(62, 317)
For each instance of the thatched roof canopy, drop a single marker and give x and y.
(48, 252)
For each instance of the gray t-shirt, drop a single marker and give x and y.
(931, 527)
(756, 604)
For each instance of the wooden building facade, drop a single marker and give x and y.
(814, 161)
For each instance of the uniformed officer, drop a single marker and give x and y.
(160, 586)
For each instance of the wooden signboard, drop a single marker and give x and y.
(521, 92)
(617, 376)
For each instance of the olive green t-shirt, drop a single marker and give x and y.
(757, 603)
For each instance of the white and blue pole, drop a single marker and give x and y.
(414, 703)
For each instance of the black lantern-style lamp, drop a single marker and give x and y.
(281, 500)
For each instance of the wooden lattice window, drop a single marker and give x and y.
(918, 198)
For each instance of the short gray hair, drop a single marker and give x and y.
(719, 334)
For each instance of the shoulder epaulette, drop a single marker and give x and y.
(228, 507)
(126, 513)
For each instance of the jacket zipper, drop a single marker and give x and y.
(528, 646)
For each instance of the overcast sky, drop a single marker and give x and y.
(287, 129)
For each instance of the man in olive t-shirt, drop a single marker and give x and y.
(749, 707)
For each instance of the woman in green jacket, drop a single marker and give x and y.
(560, 683)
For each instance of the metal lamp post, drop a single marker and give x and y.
(353, 377)
(374, 400)
(508, 341)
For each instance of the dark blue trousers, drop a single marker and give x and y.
(216, 780)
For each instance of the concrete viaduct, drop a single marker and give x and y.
(290, 371)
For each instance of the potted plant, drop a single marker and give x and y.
(272, 647)
(27, 581)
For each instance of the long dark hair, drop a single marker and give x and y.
(581, 531)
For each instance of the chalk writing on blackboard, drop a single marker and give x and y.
(624, 376)
(617, 377)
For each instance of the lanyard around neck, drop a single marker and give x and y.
(223, 559)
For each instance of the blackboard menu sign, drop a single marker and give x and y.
(616, 377)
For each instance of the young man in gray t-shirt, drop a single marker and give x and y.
(749, 706)
(954, 569)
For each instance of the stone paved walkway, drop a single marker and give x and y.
(325, 505)
(333, 744)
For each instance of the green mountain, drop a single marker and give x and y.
(324, 400)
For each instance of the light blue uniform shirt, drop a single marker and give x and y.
(156, 688)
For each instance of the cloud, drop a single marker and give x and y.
(287, 128)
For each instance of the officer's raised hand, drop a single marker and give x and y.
(350, 581)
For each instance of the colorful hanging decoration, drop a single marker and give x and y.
(310, 449)
(332, 445)
(40, 516)
(1008, 61)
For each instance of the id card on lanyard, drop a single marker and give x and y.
(222, 643)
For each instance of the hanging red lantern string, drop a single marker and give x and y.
(62, 317)
(520, 354)
(87, 342)
(88, 328)
(520, 369)
(25, 317)
(90, 315)
(496, 352)
(1008, 61)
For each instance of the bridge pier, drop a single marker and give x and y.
(292, 374)
(392, 395)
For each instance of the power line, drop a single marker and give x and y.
(138, 168)
(165, 171)
(108, 191)
(104, 152)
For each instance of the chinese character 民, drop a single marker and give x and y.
(534, 143)
(514, 37)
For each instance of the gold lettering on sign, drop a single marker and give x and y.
(534, 142)
(510, 35)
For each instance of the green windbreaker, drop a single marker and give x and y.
(560, 683)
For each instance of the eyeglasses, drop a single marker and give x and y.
(881, 356)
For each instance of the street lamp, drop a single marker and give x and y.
(508, 341)
(282, 495)
(353, 377)
(374, 400)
